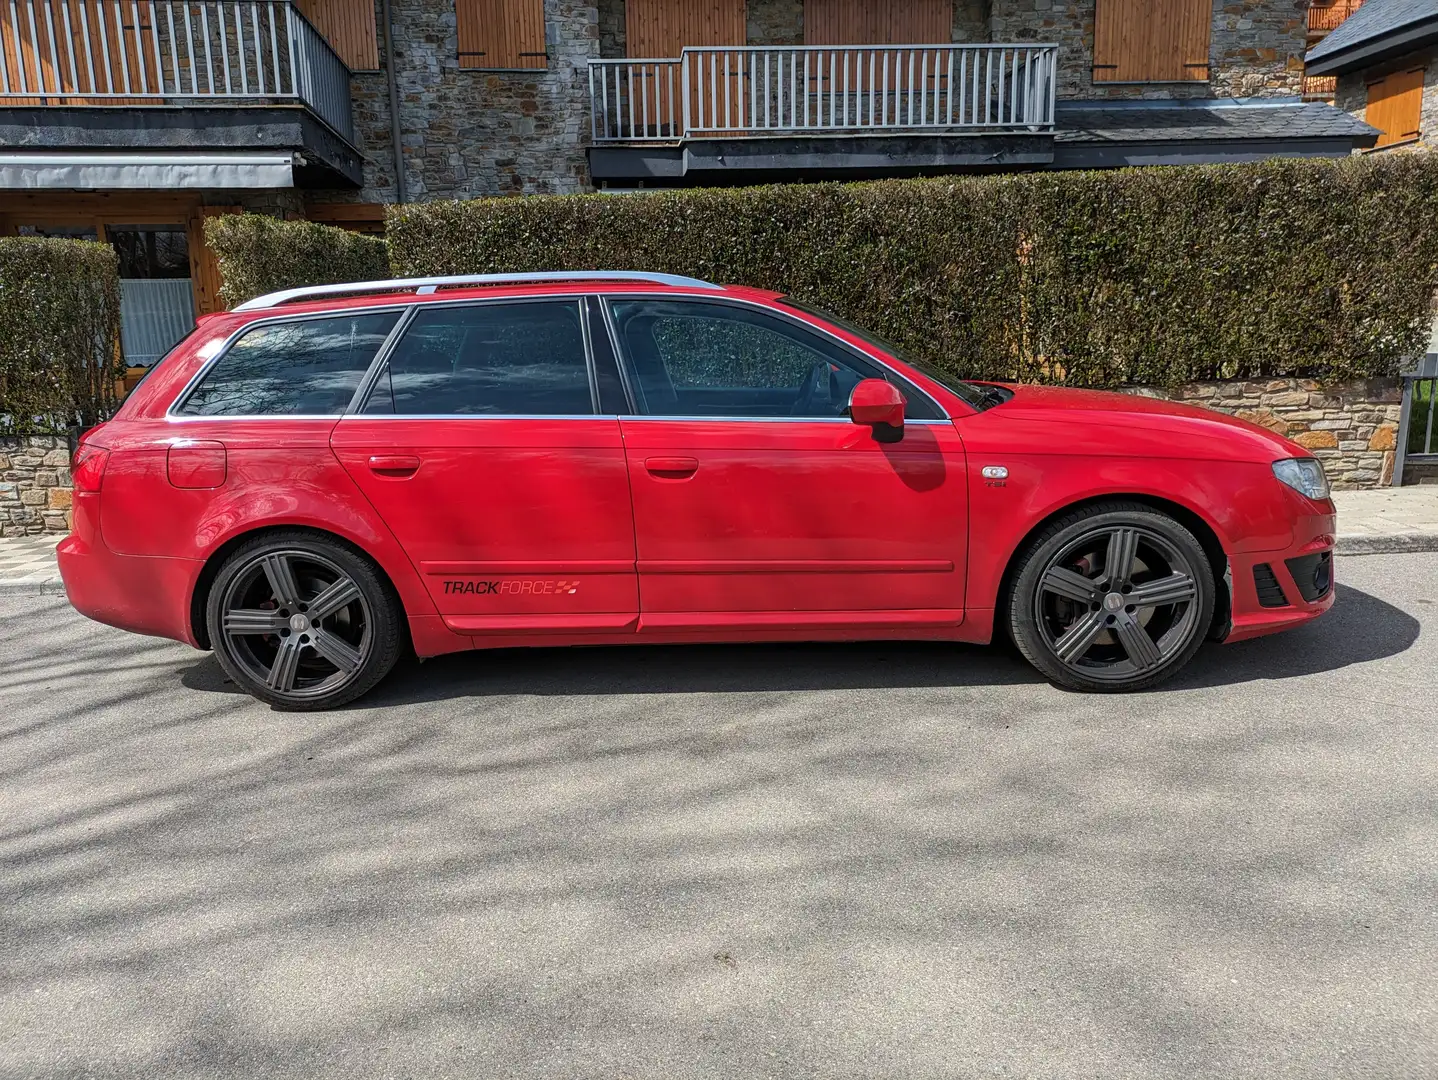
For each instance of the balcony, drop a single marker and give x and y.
(756, 112)
(1323, 17)
(81, 79)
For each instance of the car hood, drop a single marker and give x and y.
(1190, 426)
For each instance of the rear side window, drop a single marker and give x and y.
(488, 359)
(309, 367)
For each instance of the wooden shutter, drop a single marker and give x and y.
(349, 27)
(501, 33)
(1151, 40)
(1394, 105)
(864, 22)
(660, 29)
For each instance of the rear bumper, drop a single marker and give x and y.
(1257, 609)
(137, 593)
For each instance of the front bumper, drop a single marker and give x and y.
(1281, 589)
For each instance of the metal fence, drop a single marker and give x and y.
(135, 52)
(1417, 425)
(778, 90)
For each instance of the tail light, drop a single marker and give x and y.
(87, 467)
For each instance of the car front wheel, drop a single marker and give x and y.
(1112, 597)
(302, 622)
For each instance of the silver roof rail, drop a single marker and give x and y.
(425, 285)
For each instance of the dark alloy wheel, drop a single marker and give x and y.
(302, 622)
(1113, 597)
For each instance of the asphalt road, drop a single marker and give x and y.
(890, 860)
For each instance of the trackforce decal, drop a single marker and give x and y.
(511, 587)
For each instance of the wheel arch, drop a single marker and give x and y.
(204, 582)
(1203, 530)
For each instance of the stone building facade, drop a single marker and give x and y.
(471, 133)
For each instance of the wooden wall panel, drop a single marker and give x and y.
(349, 27)
(1395, 104)
(1152, 40)
(661, 29)
(869, 22)
(501, 33)
(204, 267)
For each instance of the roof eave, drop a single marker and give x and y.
(1374, 50)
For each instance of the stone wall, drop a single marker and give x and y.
(469, 133)
(1351, 427)
(34, 485)
(1352, 96)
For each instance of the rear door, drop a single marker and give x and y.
(757, 502)
(482, 444)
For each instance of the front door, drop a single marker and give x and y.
(757, 502)
(481, 445)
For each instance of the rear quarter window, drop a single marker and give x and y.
(301, 367)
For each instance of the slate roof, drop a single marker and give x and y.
(1220, 120)
(1374, 20)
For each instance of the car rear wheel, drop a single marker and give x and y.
(1113, 597)
(302, 622)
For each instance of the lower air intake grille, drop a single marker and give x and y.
(1313, 574)
(1270, 593)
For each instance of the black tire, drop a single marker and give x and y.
(259, 613)
(1079, 628)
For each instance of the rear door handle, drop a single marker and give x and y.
(397, 465)
(672, 468)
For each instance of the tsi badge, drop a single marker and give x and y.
(995, 475)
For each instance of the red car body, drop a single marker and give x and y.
(617, 528)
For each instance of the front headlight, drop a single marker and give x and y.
(1303, 475)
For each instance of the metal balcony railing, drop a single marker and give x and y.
(139, 52)
(758, 91)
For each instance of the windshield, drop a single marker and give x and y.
(973, 395)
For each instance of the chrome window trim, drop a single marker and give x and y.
(680, 298)
(595, 416)
(371, 376)
(577, 300)
(181, 399)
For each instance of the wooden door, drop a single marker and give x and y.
(662, 28)
(864, 22)
(1395, 104)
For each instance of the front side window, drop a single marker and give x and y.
(307, 367)
(522, 359)
(695, 358)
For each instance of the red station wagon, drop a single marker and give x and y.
(324, 477)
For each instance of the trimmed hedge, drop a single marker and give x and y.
(59, 334)
(260, 254)
(1159, 275)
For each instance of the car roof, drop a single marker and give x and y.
(387, 293)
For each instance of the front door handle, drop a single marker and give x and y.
(396, 465)
(672, 468)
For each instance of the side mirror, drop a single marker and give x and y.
(879, 405)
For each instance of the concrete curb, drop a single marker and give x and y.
(49, 587)
(1386, 544)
